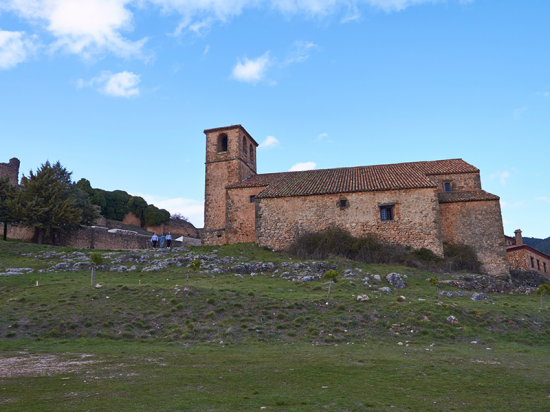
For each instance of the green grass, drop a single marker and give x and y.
(155, 346)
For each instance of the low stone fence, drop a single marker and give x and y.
(98, 237)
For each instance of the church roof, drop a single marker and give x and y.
(397, 176)
(466, 196)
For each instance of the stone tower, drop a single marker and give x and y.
(11, 170)
(230, 158)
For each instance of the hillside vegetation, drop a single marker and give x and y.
(254, 328)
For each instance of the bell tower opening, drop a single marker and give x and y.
(222, 143)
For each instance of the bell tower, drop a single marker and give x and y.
(230, 158)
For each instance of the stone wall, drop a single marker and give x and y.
(525, 258)
(459, 181)
(176, 228)
(241, 215)
(416, 223)
(11, 170)
(479, 225)
(131, 219)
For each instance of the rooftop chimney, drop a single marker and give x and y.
(519, 239)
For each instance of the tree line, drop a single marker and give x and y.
(50, 202)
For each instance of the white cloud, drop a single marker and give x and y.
(206, 49)
(252, 71)
(502, 176)
(303, 166)
(323, 137)
(300, 53)
(544, 199)
(190, 208)
(83, 27)
(123, 84)
(90, 28)
(270, 142)
(15, 48)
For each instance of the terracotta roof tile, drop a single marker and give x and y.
(466, 196)
(354, 179)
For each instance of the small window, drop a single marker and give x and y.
(544, 266)
(447, 186)
(251, 153)
(386, 213)
(532, 262)
(244, 146)
(252, 199)
(538, 264)
(343, 202)
(222, 143)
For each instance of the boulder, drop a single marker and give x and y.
(479, 296)
(395, 280)
(362, 298)
(385, 289)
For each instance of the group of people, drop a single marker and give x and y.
(163, 239)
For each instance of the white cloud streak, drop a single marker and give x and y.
(545, 199)
(123, 84)
(15, 48)
(252, 71)
(270, 142)
(298, 167)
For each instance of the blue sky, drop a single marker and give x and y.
(120, 91)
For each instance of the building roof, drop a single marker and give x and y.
(234, 126)
(530, 248)
(466, 196)
(397, 176)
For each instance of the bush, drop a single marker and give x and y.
(336, 242)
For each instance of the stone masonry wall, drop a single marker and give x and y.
(222, 169)
(241, 215)
(520, 259)
(279, 221)
(459, 181)
(479, 225)
(11, 170)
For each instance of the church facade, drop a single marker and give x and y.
(419, 204)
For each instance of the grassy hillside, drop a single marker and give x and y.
(247, 333)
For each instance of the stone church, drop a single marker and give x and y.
(419, 204)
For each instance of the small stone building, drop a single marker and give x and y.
(525, 257)
(419, 204)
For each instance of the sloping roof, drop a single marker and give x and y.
(527, 247)
(466, 196)
(354, 179)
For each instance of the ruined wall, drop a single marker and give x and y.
(241, 215)
(176, 228)
(11, 170)
(520, 259)
(416, 222)
(479, 225)
(131, 219)
(459, 181)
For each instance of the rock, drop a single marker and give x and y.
(446, 294)
(479, 296)
(366, 280)
(400, 343)
(308, 278)
(385, 289)
(395, 280)
(98, 285)
(253, 274)
(452, 319)
(285, 275)
(362, 298)
(348, 273)
(239, 275)
(376, 278)
(244, 269)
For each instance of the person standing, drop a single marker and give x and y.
(162, 239)
(154, 240)
(168, 240)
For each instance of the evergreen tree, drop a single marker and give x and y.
(8, 194)
(51, 202)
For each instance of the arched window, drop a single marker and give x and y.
(222, 143)
(244, 146)
(251, 153)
